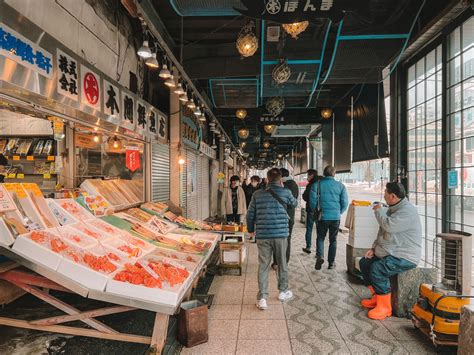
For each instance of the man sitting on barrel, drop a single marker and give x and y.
(396, 249)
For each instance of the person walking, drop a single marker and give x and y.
(233, 203)
(290, 184)
(268, 221)
(312, 176)
(330, 197)
(251, 188)
(396, 249)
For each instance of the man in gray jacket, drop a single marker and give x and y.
(267, 219)
(396, 249)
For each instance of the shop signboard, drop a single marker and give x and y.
(112, 102)
(229, 161)
(84, 140)
(67, 79)
(128, 111)
(207, 150)
(19, 49)
(132, 158)
(190, 132)
(90, 88)
(141, 113)
(162, 127)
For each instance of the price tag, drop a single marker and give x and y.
(16, 157)
(20, 176)
(30, 158)
(50, 157)
(46, 176)
(11, 176)
(34, 189)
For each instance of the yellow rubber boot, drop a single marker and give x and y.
(383, 308)
(370, 302)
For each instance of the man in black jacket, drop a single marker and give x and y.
(3, 164)
(312, 178)
(251, 188)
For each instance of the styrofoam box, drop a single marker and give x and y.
(364, 243)
(35, 252)
(86, 242)
(364, 232)
(6, 238)
(83, 275)
(62, 216)
(365, 222)
(169, 297)
(232, 256)
(363, 211)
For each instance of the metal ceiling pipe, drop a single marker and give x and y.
(149, 15)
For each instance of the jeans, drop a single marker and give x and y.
(309, 228)
(322, 228)
(233, 218)
(266, 248)
(291, 223)
(377, 271)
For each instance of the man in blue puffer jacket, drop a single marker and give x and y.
(268, 219)
(333, 201)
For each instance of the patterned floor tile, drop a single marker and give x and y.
(263, 347)
(319, 346)
(223, 329)
(213, 347)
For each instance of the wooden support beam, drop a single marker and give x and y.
(83, 315)
(75, 331)
(64, 307)
(31, 279)
(160, 332)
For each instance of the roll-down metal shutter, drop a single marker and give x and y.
(160, 172)
(205, 187)
(192, 187)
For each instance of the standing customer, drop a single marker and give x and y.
(251, 188)
(3, 164)
(312, 178)
(331, 196)
(233, 203)
(290, 184)
(396, 249)
(267, 219)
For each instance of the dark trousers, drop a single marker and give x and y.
(309, 228)
(322, 228)
(233, 218)
(377, 271)
(291, 223)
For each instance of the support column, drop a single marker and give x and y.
(175, 136)
(221, 186)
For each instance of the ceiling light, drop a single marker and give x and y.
(191, 104)
(222, 139)
(202, 117)
(243, 144)
(275, 105)
(281, 73)
(183, 98)
(247, 42)
(266, 144)
(326, 113)
(164, 72)
(269, 128)
(243, 133)
(197, 111)
(294, 29)
(144, 51)
(170, 82)
(152, 62)
(241, 113)
(179, 89)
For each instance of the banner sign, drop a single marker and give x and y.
(83, 140)
(132, 158)
(17, 48)
(190, 132)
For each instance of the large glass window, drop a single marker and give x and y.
(424, 145)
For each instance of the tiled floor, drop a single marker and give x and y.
(324, 317)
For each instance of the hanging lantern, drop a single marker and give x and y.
(326, 113)
(275, 105)
(294, 29)
(281, 73)
(241, 114)
(243, 145)
(266, 144)
(244, 133)
(247, 42)
(269, 128)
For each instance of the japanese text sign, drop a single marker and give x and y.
(132, 158)
(67, 79)
(90, 88)
(112, 101)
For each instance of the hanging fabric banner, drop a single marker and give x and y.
(132, 155)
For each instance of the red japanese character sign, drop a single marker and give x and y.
(132, 158)
(91, 90)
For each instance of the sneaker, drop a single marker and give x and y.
(319, 263)
(285, 295)
(307, 250)
(262, 304)
(332, 266)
